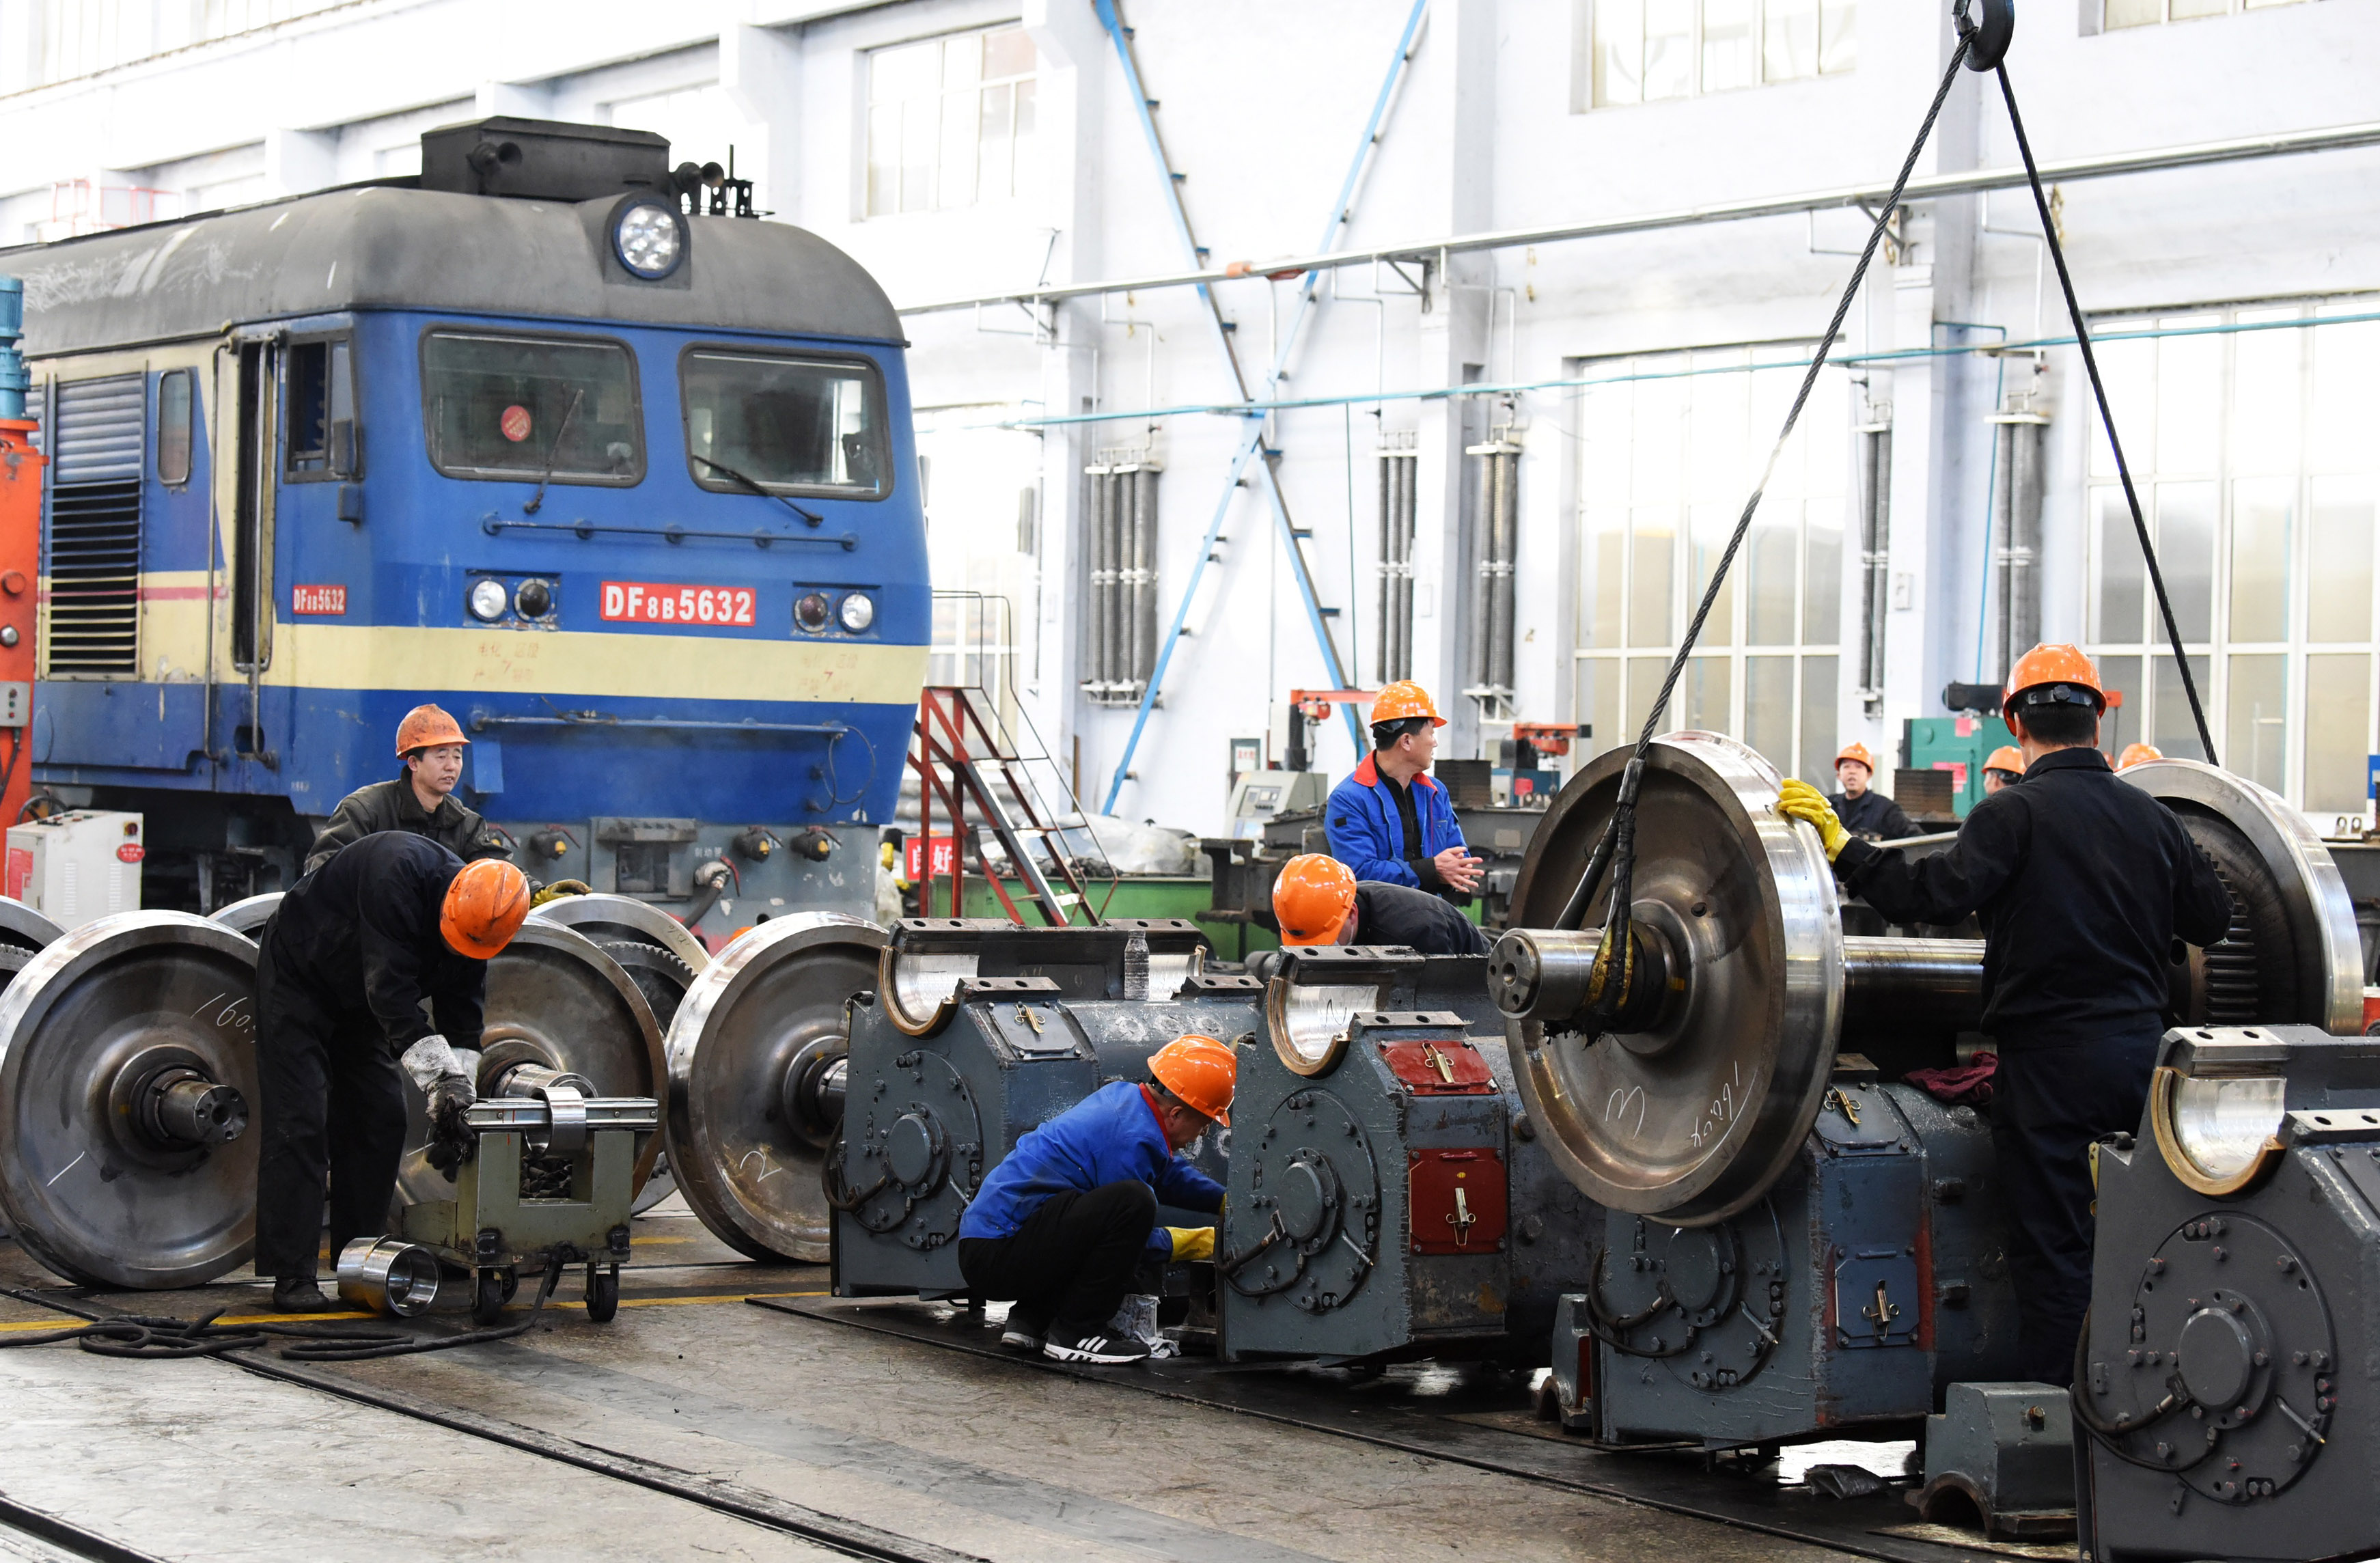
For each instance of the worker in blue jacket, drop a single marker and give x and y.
(1391, 821)
(1062, 1222)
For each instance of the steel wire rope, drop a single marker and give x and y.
(2099, 394)
(1616, 848)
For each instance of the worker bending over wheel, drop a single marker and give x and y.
(429, 747)
(1065, 1220)
(2082, 883)
(343, 971)
(1318, 899)
(1390, 821)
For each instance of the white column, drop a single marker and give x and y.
(299, 160)
(760, 69)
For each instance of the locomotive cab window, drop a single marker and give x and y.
(529, 407)
(786, 425)
(319, 425)
(176, 413)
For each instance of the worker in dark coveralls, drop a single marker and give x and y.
(1318, 899)
(343, 970)
(1062, 1224)
(429, 747)
(1389, 820)
(2082, 883)
(1865, 812)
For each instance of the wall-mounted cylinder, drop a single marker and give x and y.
(1875, 473)
(1119, 625)
(1392, 654)
(2016, 524)
(1498, 521)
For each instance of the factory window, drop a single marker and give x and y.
(318, 411)
(950, 120)
(2249, 437)
(799, 425)
(1670, 447)
(2148, 13)
(1642, 51)
(527, 409)
(73, 37)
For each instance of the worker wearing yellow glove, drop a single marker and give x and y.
(1799, 800)
(1192, 1243)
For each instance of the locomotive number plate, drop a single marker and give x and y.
(658, 602)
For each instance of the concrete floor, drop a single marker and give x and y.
(196, 1459)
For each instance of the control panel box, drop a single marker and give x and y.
(77, 866)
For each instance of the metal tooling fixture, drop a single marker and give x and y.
(2223, 1379)
(549, 1185)
(1715, 1109)
(1389, 1197)
(1343, 213)
(979, 1031)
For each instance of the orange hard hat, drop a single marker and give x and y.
(1313, 898)
(2005, 757)
(1201, 1072)
(1401, 701)
(2135, 754)
(2054, 674)
(1856, 751)
(483, 909)
(427, 727)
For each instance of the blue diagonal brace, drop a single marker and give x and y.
(1341, 213)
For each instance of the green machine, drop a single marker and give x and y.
(1955, 744)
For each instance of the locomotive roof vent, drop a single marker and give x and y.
(543, 160)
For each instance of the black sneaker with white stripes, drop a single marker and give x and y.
(1025, 1329)
(1096, 1347)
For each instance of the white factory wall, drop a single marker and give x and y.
(1260, 107)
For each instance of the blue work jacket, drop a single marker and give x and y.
(1109, 1137)
(1368, 835)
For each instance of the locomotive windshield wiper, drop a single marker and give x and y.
(754, 484)
(553, 452)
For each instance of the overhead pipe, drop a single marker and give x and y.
(2197, 155)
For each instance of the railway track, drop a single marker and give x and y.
(849, 1537)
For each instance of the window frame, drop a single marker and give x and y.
(560, 477)
(1587, 68)
(330, 471)
(880, 402)
(190, 430)
(867, 104)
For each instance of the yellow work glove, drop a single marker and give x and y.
(1799, 800)
(1192, 1243)
(559, 889)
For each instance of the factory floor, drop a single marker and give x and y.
(697, 1424)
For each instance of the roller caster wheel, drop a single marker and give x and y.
(495, 1289)
(602, 1292)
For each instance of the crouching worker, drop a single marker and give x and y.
(1318, 899)
(1062, 1223)
(343, 972)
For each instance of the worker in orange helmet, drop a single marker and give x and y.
(1865, 812)
(1064, 1222)
(1390, 821)
(1318, 899)
(421, 799)
(2138, 754)
(389, 927)
(2082, 883)
(2004, 768)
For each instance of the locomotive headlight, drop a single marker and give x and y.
(857, 611)
(810, 612)
(488, 599)
(2218, 1136)
(533, 599)
(649, 239)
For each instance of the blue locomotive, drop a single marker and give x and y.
(550, 436)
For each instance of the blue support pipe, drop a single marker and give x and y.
(1342, 213)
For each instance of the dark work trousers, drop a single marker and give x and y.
(1072, 1260)
(2049, 1105)
(332, 1099)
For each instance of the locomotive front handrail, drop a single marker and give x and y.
(495, 525)
(482, 721)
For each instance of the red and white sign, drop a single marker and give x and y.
(319, 600)
(514, 423)
(658, 602)
(944, 858)
(131, 851)
(21, 868)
